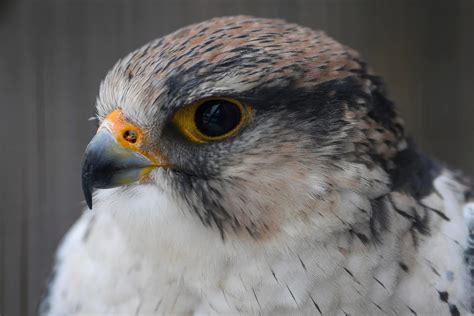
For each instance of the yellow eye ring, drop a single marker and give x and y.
(212, 119)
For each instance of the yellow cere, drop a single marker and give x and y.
(184, 120)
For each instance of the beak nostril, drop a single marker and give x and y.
(130, 136)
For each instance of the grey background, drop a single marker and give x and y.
(53, 55)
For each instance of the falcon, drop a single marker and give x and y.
(252, 166)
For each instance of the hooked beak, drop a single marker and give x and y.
(113, 157)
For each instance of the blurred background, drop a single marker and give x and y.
(53, 54)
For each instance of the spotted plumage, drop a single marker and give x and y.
(319, 205)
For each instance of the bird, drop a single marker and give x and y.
(252, 166)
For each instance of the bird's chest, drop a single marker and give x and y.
(193, 276)
(305, 279)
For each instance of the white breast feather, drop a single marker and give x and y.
(166, 262)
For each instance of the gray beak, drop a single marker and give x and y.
(107, 164)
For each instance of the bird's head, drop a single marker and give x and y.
(246, 123)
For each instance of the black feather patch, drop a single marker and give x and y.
(414, 173)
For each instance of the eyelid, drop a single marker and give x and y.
(181, 119)
(184, 120)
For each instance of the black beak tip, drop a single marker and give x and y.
(87, 186)
(86, 189)
(88, 197)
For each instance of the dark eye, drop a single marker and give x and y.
(216, 118)
(212, 119)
